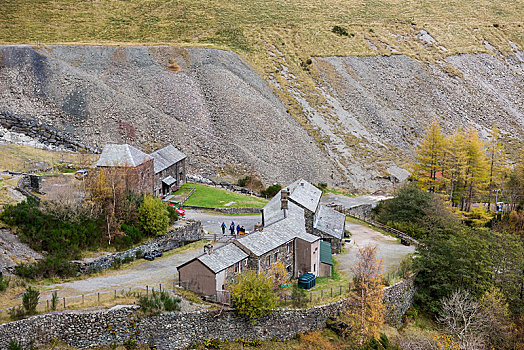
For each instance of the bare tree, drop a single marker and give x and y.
(464, 318)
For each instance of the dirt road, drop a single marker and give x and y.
(389, 248)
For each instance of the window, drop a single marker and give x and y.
(314, 267)
(288, 269)
(268, 260)
(288, 248)
(237, 267)
(276, 256)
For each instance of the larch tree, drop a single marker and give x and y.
(429, 158)
(366, 311)
(455, 163)
(476, 168)
(497, 163)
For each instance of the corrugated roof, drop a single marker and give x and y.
(166, 157)
(121, 155)
(325, 253)
(330, 222)
(278, 233)
(223, 257)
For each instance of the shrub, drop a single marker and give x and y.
(214, 343)
(14, 345)
(17, 313)
(253, 295)
(340, 31)
(159, 301)
(173, 215)
(298, 296)
(30, 300)
(54, 300)
(153, 216)
(271, 190)
(4, 283)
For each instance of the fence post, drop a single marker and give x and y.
(47, 305)
(82, 298)
(115, 293)
(340, 290)
(64, 304)
(321, 294)
(147, 291)
(160, 285)
(173, 286)
(332, 292)
(99, 297)
(310, 297)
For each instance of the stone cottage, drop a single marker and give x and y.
(156, 173)
(170, 169)
(125, 163)
(319, 220)
(285, 241)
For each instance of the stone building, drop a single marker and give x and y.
(285, 241)
(170, 169)
(319, 220)
(127, 164)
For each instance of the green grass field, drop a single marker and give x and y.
(212, 197)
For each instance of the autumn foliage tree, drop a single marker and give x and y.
(365, 312)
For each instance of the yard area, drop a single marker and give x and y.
(213, 197)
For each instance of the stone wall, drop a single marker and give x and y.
(188, 231)
(227, 210)
(46, 134)
(177, 330)
(398, 298)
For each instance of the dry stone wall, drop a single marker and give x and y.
(45, 134)
(178, 330)
(189, 231)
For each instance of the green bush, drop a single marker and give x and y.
(17, 313)
(54, 300)
(46, 268)
(253, 295)
(14, 345)
(30, 300)
(340, 31)
(158, 301)
(173, 215)
(214, 343)
(153, 216)
(271, 190)
(4, 283)
(298, 296)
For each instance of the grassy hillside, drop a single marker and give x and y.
(301, 27)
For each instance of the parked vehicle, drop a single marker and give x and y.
(149, 257)
(175, 205)
(79, 174)
(156, 253)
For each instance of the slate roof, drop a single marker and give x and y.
(169, 180)
(277, 234)
(121, 155)
(330, 222)
(301, 192)
(325, 253)
(305, 194)
(166, 157)
(221, 258)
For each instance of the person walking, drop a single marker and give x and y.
(232, 228)
(223, 228)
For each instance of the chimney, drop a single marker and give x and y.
(208, 248)
(284, 200)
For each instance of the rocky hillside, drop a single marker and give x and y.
(357, 123)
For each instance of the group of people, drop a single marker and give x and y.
(232, 228)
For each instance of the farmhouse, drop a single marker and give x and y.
(129, 165)
(319, 220)
(155, 173)
(170, 169)
(297, 232)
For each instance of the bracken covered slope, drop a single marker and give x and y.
(358, 118)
